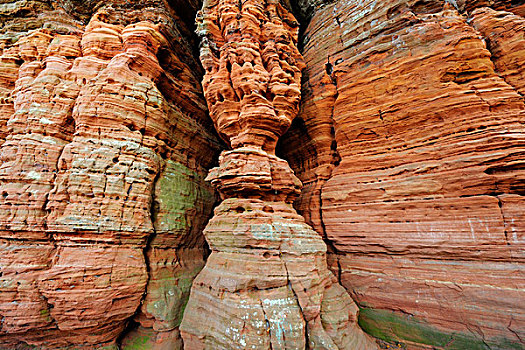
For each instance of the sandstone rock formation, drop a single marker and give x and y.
(106, 148)
(266, 284)
(408, 164)
(410, 145)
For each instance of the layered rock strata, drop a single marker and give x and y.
(410, 145)
(502, 32)
(514, 6)
(102, 175)
(266, 284)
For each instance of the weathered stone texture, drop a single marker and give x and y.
(266, 284)
(424, 195)
(409, 144)
(102, 177)
(502, 32)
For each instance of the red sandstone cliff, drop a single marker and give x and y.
(409, 142)
(107, 144)
(410, 145)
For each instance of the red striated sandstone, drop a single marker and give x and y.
(502, 32)
(409, 143)
(266, 284)
(515, 6)
(102, 174)
(9, 64)
(423, 208)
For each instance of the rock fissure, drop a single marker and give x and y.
(268, 327)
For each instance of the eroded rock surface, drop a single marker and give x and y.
(410, 145)
(409, 141)
(106, 148)
(266, 284)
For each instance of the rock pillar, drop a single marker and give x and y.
(266, 284)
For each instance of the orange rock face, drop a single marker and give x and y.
(501, 31)
(373, 177)
(422, 206)
(102, 176)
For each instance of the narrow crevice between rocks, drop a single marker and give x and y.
(336, 159)
(500, 206)
(333, 254)
(164, 85)
(268, 326)
(304, 11)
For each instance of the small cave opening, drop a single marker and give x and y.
(297, 148)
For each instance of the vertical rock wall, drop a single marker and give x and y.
(410, 145)
(102, 175)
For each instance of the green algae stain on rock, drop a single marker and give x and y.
(396, 327)
(45, 314)
(182, 197)
(146, 339)
(138, 343)
(169, 296)
(183, 203)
